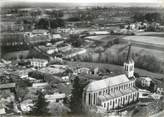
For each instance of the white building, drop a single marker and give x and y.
(56, 36)
(39, 85)
(83, 70)
(2, 111)
(57, 97)
(38, 62)
(37, 33)
(76, 52)
(145, 81)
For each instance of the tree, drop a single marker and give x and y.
(75, 40)
(42, 24)
(40, 105)
(58, 109)
(57, 23)
(76, 98)
(150, 17)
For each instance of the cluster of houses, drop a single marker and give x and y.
(9, 87)
(109, 93)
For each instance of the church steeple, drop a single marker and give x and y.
(129, 64)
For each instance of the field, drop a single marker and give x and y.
(146, 40)
(137, 49)
(156, 34)
(147, 45)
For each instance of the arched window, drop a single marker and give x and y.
(94, 101)
(104, 92)
(107, 105)
(90, 99)
(99, 92)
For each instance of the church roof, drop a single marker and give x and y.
(116, 94)
(104, 83)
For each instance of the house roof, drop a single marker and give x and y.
(110, 81)
(116, 94)
(39, 31)
(146, 78)
(7, 86)
(105, 97)
(39, 60)
(38, 38)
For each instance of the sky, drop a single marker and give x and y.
(84, 2)
(88, 1)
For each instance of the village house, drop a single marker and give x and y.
(56, 36)
(145, 81)
(82, 70)
(56, 97)
(39, 85)
(39, 32)
(38, 62)
(2, 110)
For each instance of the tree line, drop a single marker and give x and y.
(147, 62)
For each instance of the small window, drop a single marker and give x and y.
(103, 92)
(104, 105)
(109, 91)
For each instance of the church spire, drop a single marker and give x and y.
(129, 53)
(129, 64)
(129, 58)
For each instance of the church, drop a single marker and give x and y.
(112, 93)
